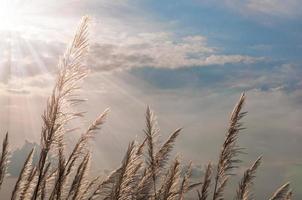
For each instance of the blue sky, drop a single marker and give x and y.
(271, 35)
(188, 59)
(275, 36)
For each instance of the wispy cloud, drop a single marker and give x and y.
(161, 50)
(38, 85)
(271, 8)
(281, 8)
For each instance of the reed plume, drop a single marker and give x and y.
(229, 152)
(243, 192)
(162, 156)
(105, 187)
(92, 184)
(27, 191)
(24, 177)
(58, 113)
(151, 132)
(204, 193)
(82, 141)
(78, 183)
(185, 183)
(125, 183)
(289, 195)
(169, 189)
(78, 151)
(281, 193)
(4, 159)
(155, 159)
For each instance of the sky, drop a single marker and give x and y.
(188, 59)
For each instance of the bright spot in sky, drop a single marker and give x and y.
(26, 17)
(27, 31)
(11, 16)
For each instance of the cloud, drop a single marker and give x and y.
(160, 50)
(266, 12)
(262, 76)
(39, 85)
(114, 47)
(288, 8)
(232, 59)
(270, 8)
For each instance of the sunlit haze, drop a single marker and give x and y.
(189, 60)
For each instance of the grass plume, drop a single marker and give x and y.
(204, 193)
(4, 159)
(243, 192)
(229, 152)
(281, 193)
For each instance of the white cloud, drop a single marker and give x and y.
(162, 50)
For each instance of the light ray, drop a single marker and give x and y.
(28, 29)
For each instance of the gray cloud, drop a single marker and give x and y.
(272, 7)
(261, 8)
(160, 50)
(263, 76)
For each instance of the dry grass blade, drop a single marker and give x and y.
(125, 182)
(4, 159)
(141, 147)
(227, 158)
(105, 187)
(59, 187)
(194, 185)
(42, 190)
(65, 168)
(90, 187)
(281, 193)
(145, 186)
(99, 121)
(289, 195)
(185, 183)
(57, 114)
(24, 176)
(83, 182)
(151, 132)
(82, 142)
(29, 186)
(79, 180)
(155, 160)
(169, 189)
(203, 194)
(243, 192)
(162, 156)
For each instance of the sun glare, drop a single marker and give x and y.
(10, 15)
